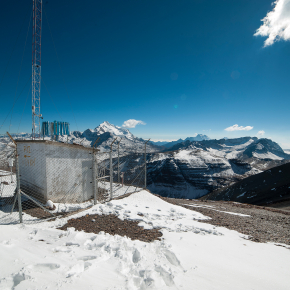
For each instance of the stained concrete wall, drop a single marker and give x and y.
(56, 171)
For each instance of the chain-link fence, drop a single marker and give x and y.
(52, 179)
(119, 174)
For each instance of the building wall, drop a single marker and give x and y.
(69, 174)
(32, 169)
(56, 171)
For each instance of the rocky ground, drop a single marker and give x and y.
(112, 225)
(260, 224)
(263, 224)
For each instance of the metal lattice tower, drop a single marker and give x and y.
(36, 67)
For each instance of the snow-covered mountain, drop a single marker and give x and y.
(107, 133)
(158, 143)
(268, 187)
(192, 169)
(198, 137)
(188, 169)
(112, 129)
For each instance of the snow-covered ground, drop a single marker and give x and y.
(7, 183)
(191, 254)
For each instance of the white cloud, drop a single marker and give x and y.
(276, 24)
(237, 128)
(261, 133)
(131, 123)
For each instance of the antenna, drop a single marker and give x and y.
(36, 67)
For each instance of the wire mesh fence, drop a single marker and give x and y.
(119, 174)
(52, 179)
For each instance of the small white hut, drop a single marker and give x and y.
(55, 171)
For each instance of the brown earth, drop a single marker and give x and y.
(112, 225)
(264, 224)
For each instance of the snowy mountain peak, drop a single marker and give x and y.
(107, 133)
(198, 137)
(115, 130)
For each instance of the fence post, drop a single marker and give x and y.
(111, 175)
(18, 194)
(95, 173)
(95, 178)
(119, 161)
(18, 186)
(145, 165)
(97, 181)
(111, 170)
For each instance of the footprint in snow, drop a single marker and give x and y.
(44, 267)
(87, 258)
(12, 281)
(71, 244)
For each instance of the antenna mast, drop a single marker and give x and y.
(36, 67)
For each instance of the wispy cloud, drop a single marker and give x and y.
(276, 24)
(239, 128)
(131, 123)
(261, 133)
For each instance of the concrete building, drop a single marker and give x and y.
(55, 171)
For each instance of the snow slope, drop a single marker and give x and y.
(191, 255)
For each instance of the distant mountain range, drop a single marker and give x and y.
(188, 168)
(193, 169)
(198, 137)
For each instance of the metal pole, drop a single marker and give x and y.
(95, 174)
(11, 174)
(97, 181)
(94, 178)
(111, 175)
(18, 187)
(36, 67)
(119, 162)
(111, 170)
(37, 203)
(145, 166)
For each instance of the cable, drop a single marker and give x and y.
(15, 102)
(60, 68)
(21, 66)
(51, 99)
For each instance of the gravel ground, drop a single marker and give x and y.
(263, 225)
(114, 226)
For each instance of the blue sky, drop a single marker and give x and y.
(181, 67)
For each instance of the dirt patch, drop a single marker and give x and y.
(262, 225)
(112, 225)
(32, 209)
